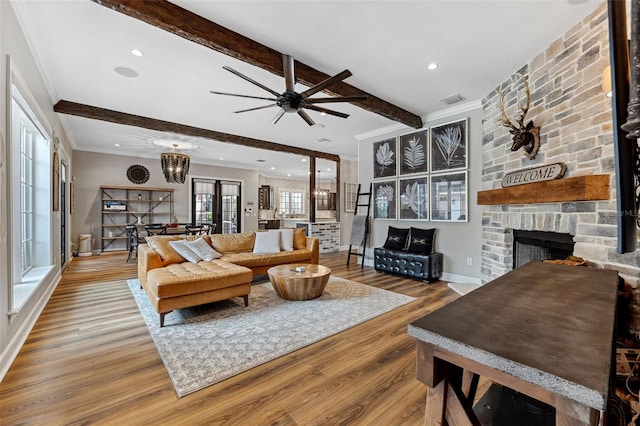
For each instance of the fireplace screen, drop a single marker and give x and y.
(540, 245)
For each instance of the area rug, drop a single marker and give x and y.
(204, 345)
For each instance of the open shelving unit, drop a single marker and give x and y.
(131, 205)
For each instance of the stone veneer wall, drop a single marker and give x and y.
(569, 103)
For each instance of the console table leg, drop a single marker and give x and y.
(436, 400)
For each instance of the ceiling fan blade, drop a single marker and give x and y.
(326, 83)
(339, 99)
(306, 117)
(250, 80)
(327, 111)
(241, 96)
(253, 109)
(289, 73)
(278, 116)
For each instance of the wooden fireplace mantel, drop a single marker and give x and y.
(579, 188)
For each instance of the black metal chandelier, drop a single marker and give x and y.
(175, 166)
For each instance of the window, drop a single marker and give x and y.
(291, 202)
(31, 195)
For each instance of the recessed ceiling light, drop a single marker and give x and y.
(221, 159)
(304, 160)
(432, 66)
(288, 174)
(328, 169)
(323, 113)
(273, 168)
(126, 72)
(117, 144)
(136, 52)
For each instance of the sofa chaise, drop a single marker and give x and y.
(223, 267)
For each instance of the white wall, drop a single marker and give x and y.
(95, 169)
(15, 329)
(457, 241)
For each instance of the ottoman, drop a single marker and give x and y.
(189, 284)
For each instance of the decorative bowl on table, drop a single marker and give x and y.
(172, 225)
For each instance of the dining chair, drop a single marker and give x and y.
(156, 229)
(132, 240)
(208, 228)
(195, 230)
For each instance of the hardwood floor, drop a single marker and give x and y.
(91, 360)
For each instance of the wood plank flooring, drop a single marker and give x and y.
(91, 360)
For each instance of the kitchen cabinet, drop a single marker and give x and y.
(264, 197)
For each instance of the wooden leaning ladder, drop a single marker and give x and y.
(358, 237)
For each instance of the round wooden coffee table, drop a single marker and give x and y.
(290, 284)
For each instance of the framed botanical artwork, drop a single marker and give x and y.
(449, 146)
(413, 152)
(384, 158)
(449, 197)
(414, 198)
(384, 199)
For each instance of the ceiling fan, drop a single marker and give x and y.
(292, 101)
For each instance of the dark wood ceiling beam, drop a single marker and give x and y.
(102, 114)
(195, 28)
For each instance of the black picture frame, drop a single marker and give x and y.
(449, 146)
(413, 194)
(449, 197)
(384, 158)
(385, 199)
(413, 152)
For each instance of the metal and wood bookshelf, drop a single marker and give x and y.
(131, 205)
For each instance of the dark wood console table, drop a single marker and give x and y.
(544, 330)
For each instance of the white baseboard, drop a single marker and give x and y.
(11, 350)
(462, 279)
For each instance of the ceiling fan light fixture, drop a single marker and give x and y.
(175, 166)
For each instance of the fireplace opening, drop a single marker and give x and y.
(540, 245)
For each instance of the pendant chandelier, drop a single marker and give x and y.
(175, 166)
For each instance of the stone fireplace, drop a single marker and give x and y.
(569, 103)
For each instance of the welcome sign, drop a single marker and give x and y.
(534, 174)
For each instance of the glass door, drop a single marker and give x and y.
(202, 202)
(216, 202)
(230, 202)
(63, 213)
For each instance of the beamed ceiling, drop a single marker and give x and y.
(387, 45)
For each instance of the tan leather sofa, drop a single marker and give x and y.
(171, 282)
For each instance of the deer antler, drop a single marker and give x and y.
(524, 109)
(504, 119)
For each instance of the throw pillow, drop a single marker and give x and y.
(286, 238)
(299, 238)
(184, 251)
(396, 238)
(202, 249)
(161, 245)
(267, 242)
(422, 241)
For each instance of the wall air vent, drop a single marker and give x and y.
(452, 99)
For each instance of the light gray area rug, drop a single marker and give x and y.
(204, 345)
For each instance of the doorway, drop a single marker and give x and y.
(217, 202)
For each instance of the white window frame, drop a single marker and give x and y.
(284, 207)
(24, 283)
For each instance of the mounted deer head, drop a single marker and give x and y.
(527, 137)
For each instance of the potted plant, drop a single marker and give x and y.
(174, 222)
